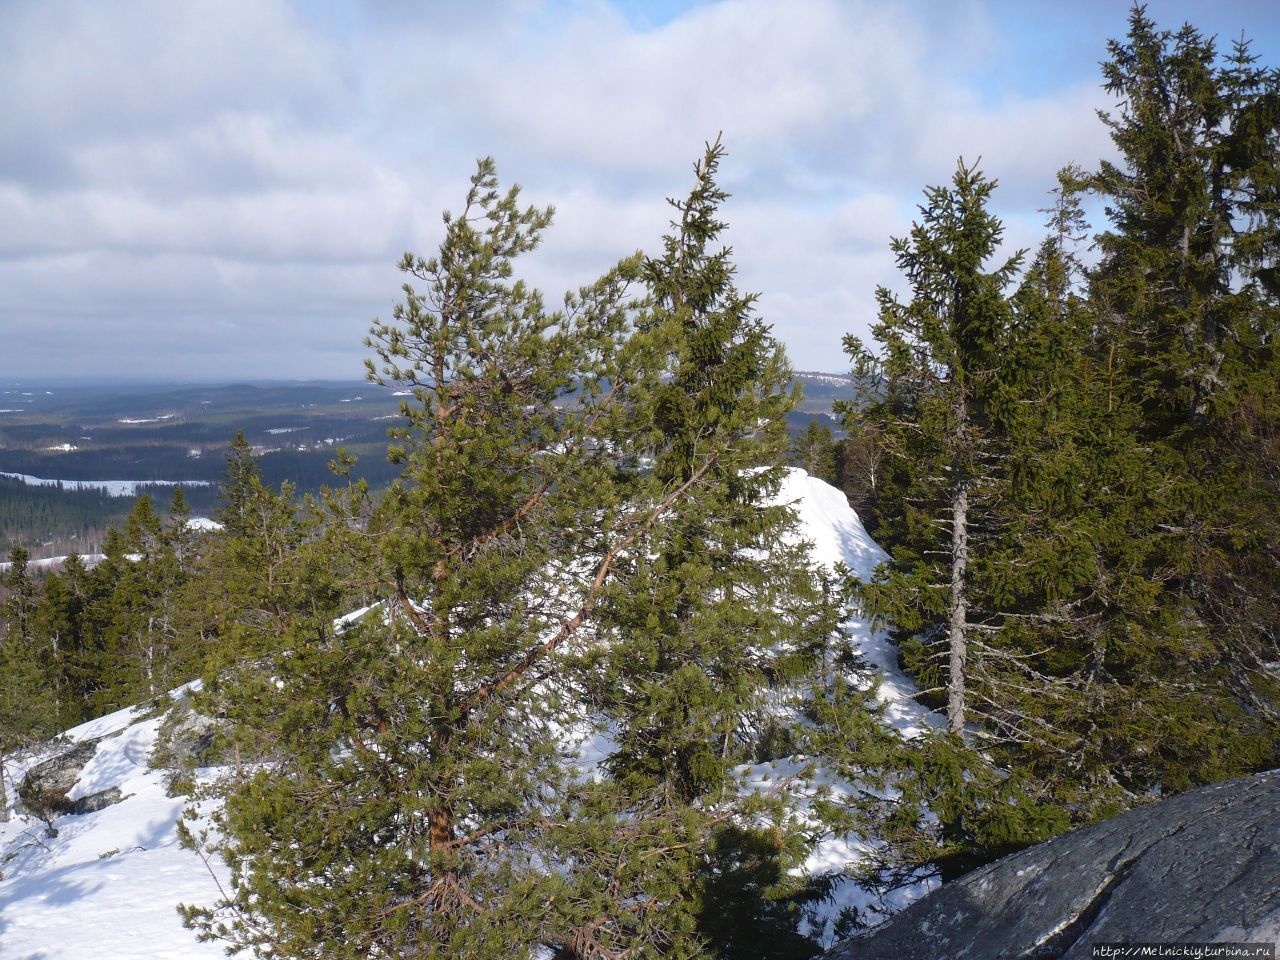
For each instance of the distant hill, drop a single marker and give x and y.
(822, 390)
(146, 433)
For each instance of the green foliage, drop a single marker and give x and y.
(37, 514)
(584, 538)
(934, 417)
(1114, 426)
(1189, 313)
(815, 451)
(1074, 469)
(28, 704)
(713, 625)
(413, 764)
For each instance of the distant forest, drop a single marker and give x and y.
(50, 521)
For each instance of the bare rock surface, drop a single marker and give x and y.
(1203, 866)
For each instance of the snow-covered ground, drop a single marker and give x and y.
(838, 537)
(107, 886)
(56, 563)
(832, 526)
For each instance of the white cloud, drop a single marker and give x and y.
(234, 180)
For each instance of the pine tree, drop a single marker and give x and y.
(413, 770)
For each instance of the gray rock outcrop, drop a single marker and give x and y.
(43, 791)
(186, 737)
(1203, 866)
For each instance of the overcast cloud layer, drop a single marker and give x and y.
(220, 189)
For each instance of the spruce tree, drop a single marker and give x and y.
(957, 423)
(1188, 313)
(62, 627)
(28, 700)
(708, 626)
(816, 452)
(935, 383)
(140, 616)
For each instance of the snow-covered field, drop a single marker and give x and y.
(112, 488)
(107, 886)
(91, 560)
(56, 563)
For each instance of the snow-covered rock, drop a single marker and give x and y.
(108, 884)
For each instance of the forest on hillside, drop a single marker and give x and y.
(1071, 456)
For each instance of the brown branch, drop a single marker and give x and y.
(410, 610)
(570, 626)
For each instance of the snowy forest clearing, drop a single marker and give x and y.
(113, 488)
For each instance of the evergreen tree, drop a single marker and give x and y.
(1187, 314)
(28, 705)
(1059, 537)
(962, 433)
(414, 769)
(241, 481)
(710, 623)
(134, 642)
(815, 451)
(935, 380)
(60, 625)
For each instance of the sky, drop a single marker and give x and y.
(214, 190)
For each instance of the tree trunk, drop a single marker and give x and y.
(958, 609)
(4, 797)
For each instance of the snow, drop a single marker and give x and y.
(838, 537)
(826, 379)
(108, 884)
(112, 488)
(91, 560)
(160, 419)
(275, 430)
(62, 448)
(55, 563)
